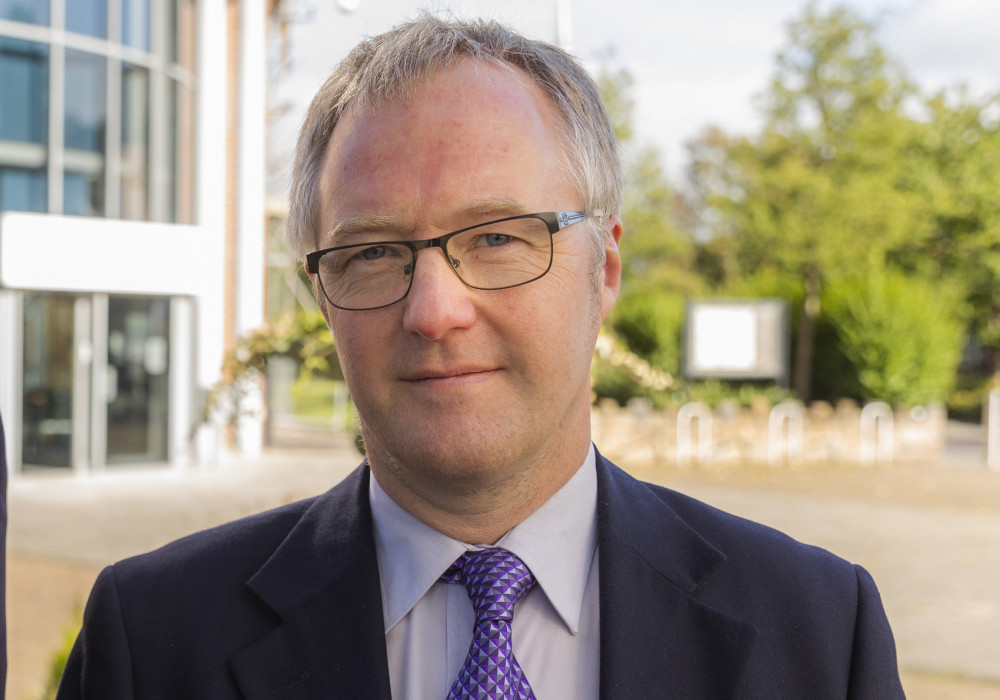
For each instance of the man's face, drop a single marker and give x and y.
(460, 388)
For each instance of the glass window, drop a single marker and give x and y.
(135, 142)
(24, 89)
(83, 194)
(138, 379)
(88, 17)
(135, 23)
(172, 21)
(86, 98)
(22, 190)
(172, 156)
(32, 11)
(47, 378)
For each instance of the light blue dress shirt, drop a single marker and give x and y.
(556, 627)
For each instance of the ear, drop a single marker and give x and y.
(612, 266)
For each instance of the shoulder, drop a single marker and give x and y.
(173, 618)
(818, 620)
(665, 508)
(230, 554)
(237, 546)
(740, 562)
(740, 538)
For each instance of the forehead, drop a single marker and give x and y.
(489, 127)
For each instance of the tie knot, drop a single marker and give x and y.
(495, 580)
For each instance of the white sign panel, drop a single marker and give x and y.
(736, 340)
(725, 338)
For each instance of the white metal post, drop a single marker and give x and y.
(993, 430)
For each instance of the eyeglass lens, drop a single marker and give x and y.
(492, 256)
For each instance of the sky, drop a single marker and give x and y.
(694, 64)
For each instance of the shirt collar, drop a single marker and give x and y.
(557, 542)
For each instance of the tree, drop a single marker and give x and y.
(658, 271)
(900, 334)
(963, 245)
(828, 186)
(656, 253)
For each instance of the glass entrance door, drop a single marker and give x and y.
(137, 379)
(48, 375)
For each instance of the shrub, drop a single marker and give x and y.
(610, 382)
(57, 663)
(901, 335)
(968, 396)
(649, 322)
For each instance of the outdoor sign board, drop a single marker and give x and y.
(736, 339)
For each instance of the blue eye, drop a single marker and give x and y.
(374, 253)
(496, 239)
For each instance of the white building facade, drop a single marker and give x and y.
(131, 222)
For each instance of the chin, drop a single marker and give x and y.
(455, 460)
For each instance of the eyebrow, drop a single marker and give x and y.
(361, 224)
(494, 208)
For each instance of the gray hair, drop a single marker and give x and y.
(390, 65)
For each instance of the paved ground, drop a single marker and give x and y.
(930, 535)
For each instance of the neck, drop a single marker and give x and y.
(474, 510)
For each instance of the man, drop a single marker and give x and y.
(456, 196)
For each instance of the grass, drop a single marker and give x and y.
(316, 400)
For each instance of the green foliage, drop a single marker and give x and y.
(658, 266)
(313, 397)
(831, 74)
(902, 335)
(656, 252)
(608, 381)
(617, 372)
(301, 336)
(766, 283)
(615, 383)
(650, 323)
(835, 375)
(713, 392)
(855, 169)
(57, 663)
(962, 149)
(616, 90)
(828, 181)
(967, 397)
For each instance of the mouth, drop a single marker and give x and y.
(445, 375)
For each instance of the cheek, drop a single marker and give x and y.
(353, 341)
(510, 306)
(572, 292)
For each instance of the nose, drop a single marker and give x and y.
(438, 301)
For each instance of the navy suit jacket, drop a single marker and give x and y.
(694, 603)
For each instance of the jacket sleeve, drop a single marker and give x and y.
(874, 672)
(99, 666)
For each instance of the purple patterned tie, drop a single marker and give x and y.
(495, 580)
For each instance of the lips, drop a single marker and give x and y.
(446, 373)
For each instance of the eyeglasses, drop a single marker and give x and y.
(499, 254)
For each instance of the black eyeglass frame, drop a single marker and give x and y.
(555, 221)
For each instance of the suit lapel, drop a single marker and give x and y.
(323, 585)
(657, 638)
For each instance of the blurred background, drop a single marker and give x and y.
(811, 301)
